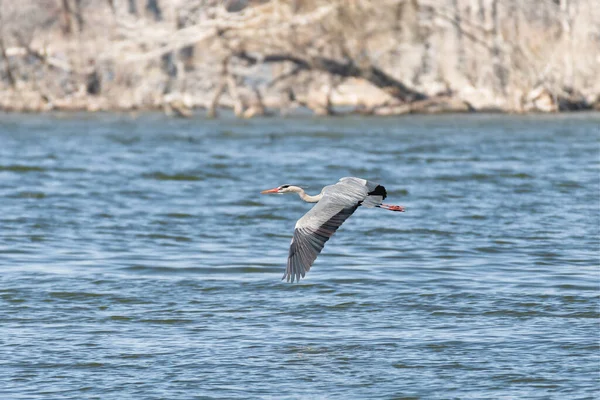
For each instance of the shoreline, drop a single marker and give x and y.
(300, 113)
(38, 104)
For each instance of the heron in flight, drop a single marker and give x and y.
(335, 204)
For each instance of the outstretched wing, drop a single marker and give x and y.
(315, 228)
(310, 235)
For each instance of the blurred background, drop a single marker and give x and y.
(327, 56)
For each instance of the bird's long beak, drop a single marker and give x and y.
(275, 190)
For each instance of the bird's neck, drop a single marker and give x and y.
(308, 198)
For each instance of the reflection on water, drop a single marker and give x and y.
(140, 261)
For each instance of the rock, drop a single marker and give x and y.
(481, 99)
(543, 100)
(540, 99)
(254, 111)
(358, 92)
(387, 110)
(596, 103)
(177, 108)
(570, 100)
(443, 104)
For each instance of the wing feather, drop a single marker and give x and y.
(314, 229)
(308, 242)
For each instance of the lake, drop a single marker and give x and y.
(139, 261)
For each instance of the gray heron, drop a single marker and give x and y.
(334, 205)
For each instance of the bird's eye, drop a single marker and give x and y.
(284, 186)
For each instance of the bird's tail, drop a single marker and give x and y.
(375, 197)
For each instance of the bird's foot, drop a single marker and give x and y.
(392, 207)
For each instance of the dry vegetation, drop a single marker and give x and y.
(255, 57)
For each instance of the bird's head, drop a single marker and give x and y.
(283, 189)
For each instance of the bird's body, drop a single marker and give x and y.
(334, 205)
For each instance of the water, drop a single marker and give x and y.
(139, 260)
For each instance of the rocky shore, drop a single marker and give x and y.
(278, 58)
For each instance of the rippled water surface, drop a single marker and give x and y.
(139, 261)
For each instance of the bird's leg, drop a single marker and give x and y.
(391, 207)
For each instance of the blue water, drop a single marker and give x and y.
(139, 261)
